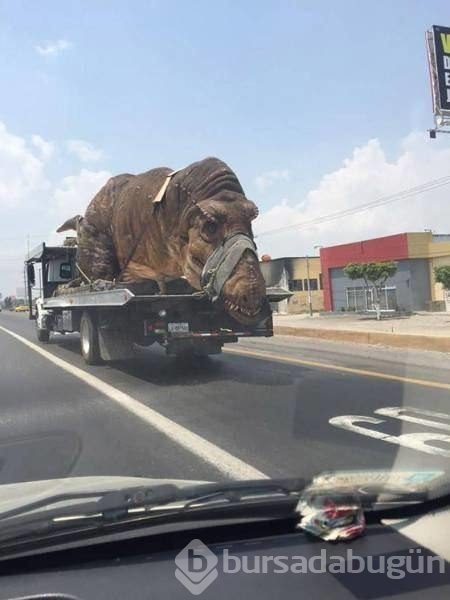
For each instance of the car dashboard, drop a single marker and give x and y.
(146, 568)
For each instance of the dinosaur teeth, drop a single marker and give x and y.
(232, 306)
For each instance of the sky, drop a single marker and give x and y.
(317, 106)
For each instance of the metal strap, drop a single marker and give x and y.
(163, 189)
(222, 262)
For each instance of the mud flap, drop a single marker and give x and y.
(115, 344)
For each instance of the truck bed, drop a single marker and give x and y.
(122, 294)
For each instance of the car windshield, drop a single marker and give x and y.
(225, 255)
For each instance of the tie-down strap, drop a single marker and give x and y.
(163, 189)
(222, 262)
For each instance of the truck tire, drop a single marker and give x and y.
(89, 340)
(43, 335)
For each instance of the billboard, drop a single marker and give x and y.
(438, 48)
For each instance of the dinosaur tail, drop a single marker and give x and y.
(70, 224)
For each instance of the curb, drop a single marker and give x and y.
(397, 340)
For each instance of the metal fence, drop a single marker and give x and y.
(361, 298)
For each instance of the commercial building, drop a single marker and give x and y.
(298, 274)
(413, 286)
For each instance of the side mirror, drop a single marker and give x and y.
(31, 275)
(65, 271)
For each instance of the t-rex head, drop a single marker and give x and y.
(215, 210)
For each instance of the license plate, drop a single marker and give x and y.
(178, 327)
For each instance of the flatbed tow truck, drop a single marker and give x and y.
(114, 317)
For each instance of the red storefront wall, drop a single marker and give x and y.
(392, 247)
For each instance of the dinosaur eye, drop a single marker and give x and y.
(210, 227)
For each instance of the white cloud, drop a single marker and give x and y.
(365, 176)
(46, 149)
(84, 151)
(31, 202)
(74, 192)
(21, 170)
(266, 180)
(53, 48)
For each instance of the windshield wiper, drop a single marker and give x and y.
(143, 505)
(102, 501)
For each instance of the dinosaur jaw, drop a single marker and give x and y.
(243, 314)
(243, 294)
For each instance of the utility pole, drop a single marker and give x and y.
(309, 287)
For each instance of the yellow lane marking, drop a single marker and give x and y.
(331, 367)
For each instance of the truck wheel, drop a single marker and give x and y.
(43, 335)
(89, 340)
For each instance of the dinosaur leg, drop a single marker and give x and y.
(96, 256)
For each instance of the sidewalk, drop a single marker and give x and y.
(422, 331)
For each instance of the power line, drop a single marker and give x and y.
(23, 237)
(407, 193)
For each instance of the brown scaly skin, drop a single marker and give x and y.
(204, 204)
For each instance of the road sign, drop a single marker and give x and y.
(438, 48)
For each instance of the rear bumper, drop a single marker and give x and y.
(211, 342)
(263, 328)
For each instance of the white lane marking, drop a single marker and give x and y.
(414, 441)
(348, 422)
(404, 414)
(223, 461)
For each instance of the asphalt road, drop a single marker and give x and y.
(281, 407)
